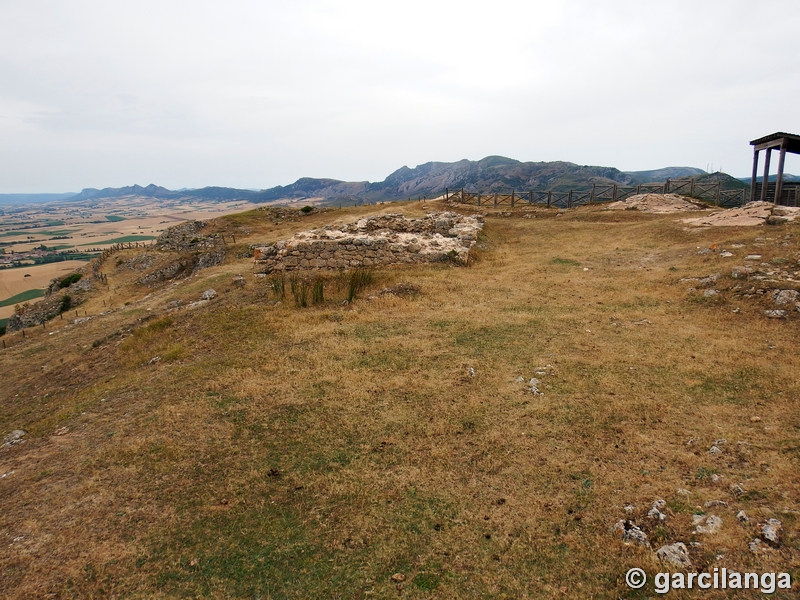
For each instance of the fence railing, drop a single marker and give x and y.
(710, 192)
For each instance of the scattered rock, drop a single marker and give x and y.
(209, 294)
(770, 531)
(712, 525)
(755, 419)
(398, 577)
(238, 281)
(784, 296)
(714, 450)
(629, 508)
(713, 503)
(742, 516)
(15, 437)
(726, 254)
(684, 492)
(710, 293)
(755, 545)
(470, 371)
(630, 533)
(741, 272)
(753, 257)
(775, 314)
(737, 490)
(716, 478)
(675, 555)
(533, 387)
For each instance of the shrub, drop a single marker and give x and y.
(307, 209)
(66, 303)
(69, 280)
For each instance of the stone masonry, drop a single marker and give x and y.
(372, 241)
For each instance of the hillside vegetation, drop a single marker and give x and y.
(395, 446)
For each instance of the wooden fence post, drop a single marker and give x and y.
(666, 186)
(446, 194)
(512, 198)
(569, 200)
(719, 192)
(530, 198)
(691, 189)
(549, 198)
(495, 200)
(614, 194)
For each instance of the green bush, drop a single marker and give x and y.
(299, 291)
(66, 303)
(307, 209)
(69, 280)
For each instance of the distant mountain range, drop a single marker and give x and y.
(493, 173)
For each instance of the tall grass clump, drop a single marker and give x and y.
(318, 291)
(278, 285)
(357, 280)
(299, 291)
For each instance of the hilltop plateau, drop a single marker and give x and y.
(588, 387)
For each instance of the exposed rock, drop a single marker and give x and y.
(710, 293)
(676, 555)
(630, 533)
(775, 314)
(770, 531)
(657, 203)
(713, 503)
(15, 437)
(712, 525)
(140, 262)
(784, 296)
(185, 236)
(741, 272)
(208, 260)
(655, 510)
(238, 281)
(742, 516)
(714, 450)
(209, 294)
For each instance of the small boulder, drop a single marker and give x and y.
(770, 531)
(712, 525)
(630, 533)
(675, 555)
(15, 437)
(784, 296)
(209, 294)
(775, 314)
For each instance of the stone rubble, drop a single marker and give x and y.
(373, 241)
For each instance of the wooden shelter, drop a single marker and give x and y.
(785, 142)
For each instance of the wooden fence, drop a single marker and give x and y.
(710, 192)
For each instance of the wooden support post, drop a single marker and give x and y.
(479, 198)
(234, 238)
(639, 189)
(569, 200)
(754, 177)
(666, 186)
(23, 333)
(549, 198)
(530, 197)
(765, 180)
(512, 198)
(719, 193)
(495, 200)
(614, 193)
(691, 189)
(779, 179)
(591, 197)
(4, 344)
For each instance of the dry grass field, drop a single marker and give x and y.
(14, 281)
(272, 451)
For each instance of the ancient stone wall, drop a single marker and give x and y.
(380, 240)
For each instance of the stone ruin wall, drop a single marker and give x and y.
(373, 241)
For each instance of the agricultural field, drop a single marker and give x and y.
(82, 227)
(495, 430)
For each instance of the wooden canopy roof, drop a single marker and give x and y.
(775, 140)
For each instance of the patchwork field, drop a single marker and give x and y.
(396, 446)
(86, 226)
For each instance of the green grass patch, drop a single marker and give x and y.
(114, 218)
(122, 240)
(22, 297)
(565, 261)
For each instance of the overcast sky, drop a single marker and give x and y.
(256, 93)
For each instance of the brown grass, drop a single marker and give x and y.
(277, 451)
